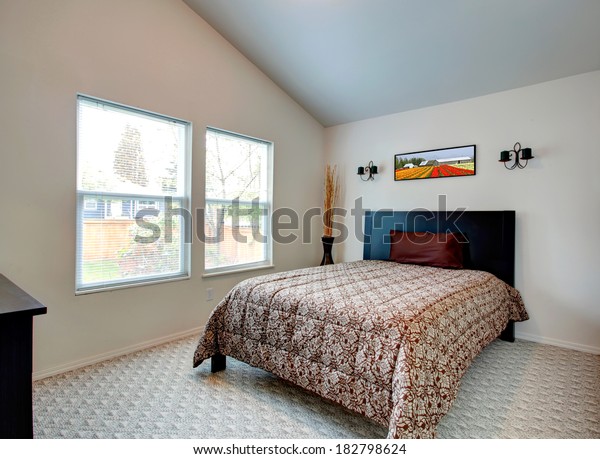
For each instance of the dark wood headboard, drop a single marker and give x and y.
(490, 236)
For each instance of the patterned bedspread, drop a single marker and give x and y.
(387, 340)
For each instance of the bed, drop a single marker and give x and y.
(385, 339)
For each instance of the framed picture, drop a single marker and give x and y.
(444, 162)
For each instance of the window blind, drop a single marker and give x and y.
(132, 176)
(238, 201)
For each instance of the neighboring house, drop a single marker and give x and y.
(126, 209)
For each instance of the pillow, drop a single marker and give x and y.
(442, 250)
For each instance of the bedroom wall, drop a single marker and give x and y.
(556, 197)
(153, 54)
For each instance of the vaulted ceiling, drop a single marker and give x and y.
(348, 60)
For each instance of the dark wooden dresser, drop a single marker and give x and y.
(17, 309)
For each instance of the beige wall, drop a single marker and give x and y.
(557, 197)
(157, 55)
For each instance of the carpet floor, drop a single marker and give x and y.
(518, 390)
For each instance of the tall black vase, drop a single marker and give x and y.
(327, 246)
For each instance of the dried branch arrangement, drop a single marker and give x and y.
(331, 195)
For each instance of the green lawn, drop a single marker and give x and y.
(101, 270)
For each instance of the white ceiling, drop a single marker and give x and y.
(348, 60)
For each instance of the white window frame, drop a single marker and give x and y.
(83, 195)
(268, 245)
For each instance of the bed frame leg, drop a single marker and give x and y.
(508, 334)
(217, 363)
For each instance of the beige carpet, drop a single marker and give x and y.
(518, 390)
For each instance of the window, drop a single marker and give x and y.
(132, 196)
(238, 202)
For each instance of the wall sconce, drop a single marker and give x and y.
(526, 155)
(370, 169)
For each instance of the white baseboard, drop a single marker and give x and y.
(37, 375)
(558, 343)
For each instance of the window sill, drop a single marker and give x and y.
(109, 288)
(236, 271)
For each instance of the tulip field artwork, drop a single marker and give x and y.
(444, 162)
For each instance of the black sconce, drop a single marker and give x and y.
(371, 170)
(505, 156)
